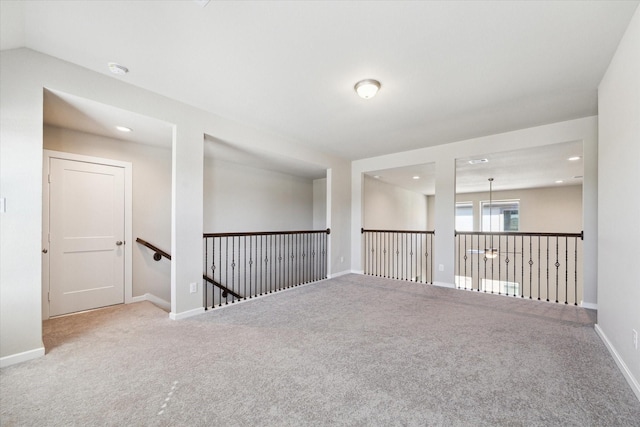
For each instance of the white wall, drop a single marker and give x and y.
(151, 199)
(388, 207)
(320, 204)
(619, 203)
(550, 209)
(24, 74)
(240, 198)
(445, 156)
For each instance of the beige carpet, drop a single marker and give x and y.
(356, 350)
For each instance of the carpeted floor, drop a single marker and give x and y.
(355, 350)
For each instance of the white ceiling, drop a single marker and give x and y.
(511, 170)
(449, 70)
(83, 115)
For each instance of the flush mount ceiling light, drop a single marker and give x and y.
(116, 68)
(478, 161)
(416, 177)
(559, 181)
(123, 129)
(574, 158)
(367, 88)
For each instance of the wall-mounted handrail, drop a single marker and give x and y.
(158, 253)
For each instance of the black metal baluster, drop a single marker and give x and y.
(557, 264)
(530, 267)
(575, 270)
(566, 270)
(522, 266)
(539, 263)
(547, 268)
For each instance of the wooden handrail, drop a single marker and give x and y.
(363, 230)
(224, 288)
(159, 253)
(266, 233)
(519, 233)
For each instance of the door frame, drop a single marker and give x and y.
(128, 217)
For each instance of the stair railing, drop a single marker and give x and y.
(241, 266)
(542, 266)
(399, 254)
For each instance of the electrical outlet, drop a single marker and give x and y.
(193, 288)
(635, 339)
(441, 267)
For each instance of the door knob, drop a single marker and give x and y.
(118, 243)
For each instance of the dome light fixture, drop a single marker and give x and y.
(367, 88)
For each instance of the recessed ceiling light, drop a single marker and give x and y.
(367, 88)
(574, 158)
(376, 176)
(123, 129)
(477, 161)
(416, 177)
(559, 181)
(116, 68)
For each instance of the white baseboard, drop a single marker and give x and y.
(361, 272)
(165, 305)
(633, 382)
(341, 273)
(186, 314)
(21, 357)
(589, 305)
(444, 285)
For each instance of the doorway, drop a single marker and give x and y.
(86, 233)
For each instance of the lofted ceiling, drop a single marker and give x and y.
(511, 170)
(449, 70)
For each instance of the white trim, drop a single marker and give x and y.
(128, 218)
(361, 272)
(163, 304)
(341, 273)
(589, 305)
(21, 357)
(186, 314)
(444, 285)
(633, 382)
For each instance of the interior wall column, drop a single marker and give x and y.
(187, 220)
(445, 221)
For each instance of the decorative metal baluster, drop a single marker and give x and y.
(557, 264)
(566, 270)
(575, 270)
(522, 266)
(506, 260)
(530, 267)
(547, 268)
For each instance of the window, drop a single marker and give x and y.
(464, 216)
(501, 215)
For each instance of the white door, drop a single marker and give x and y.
(86, 233)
